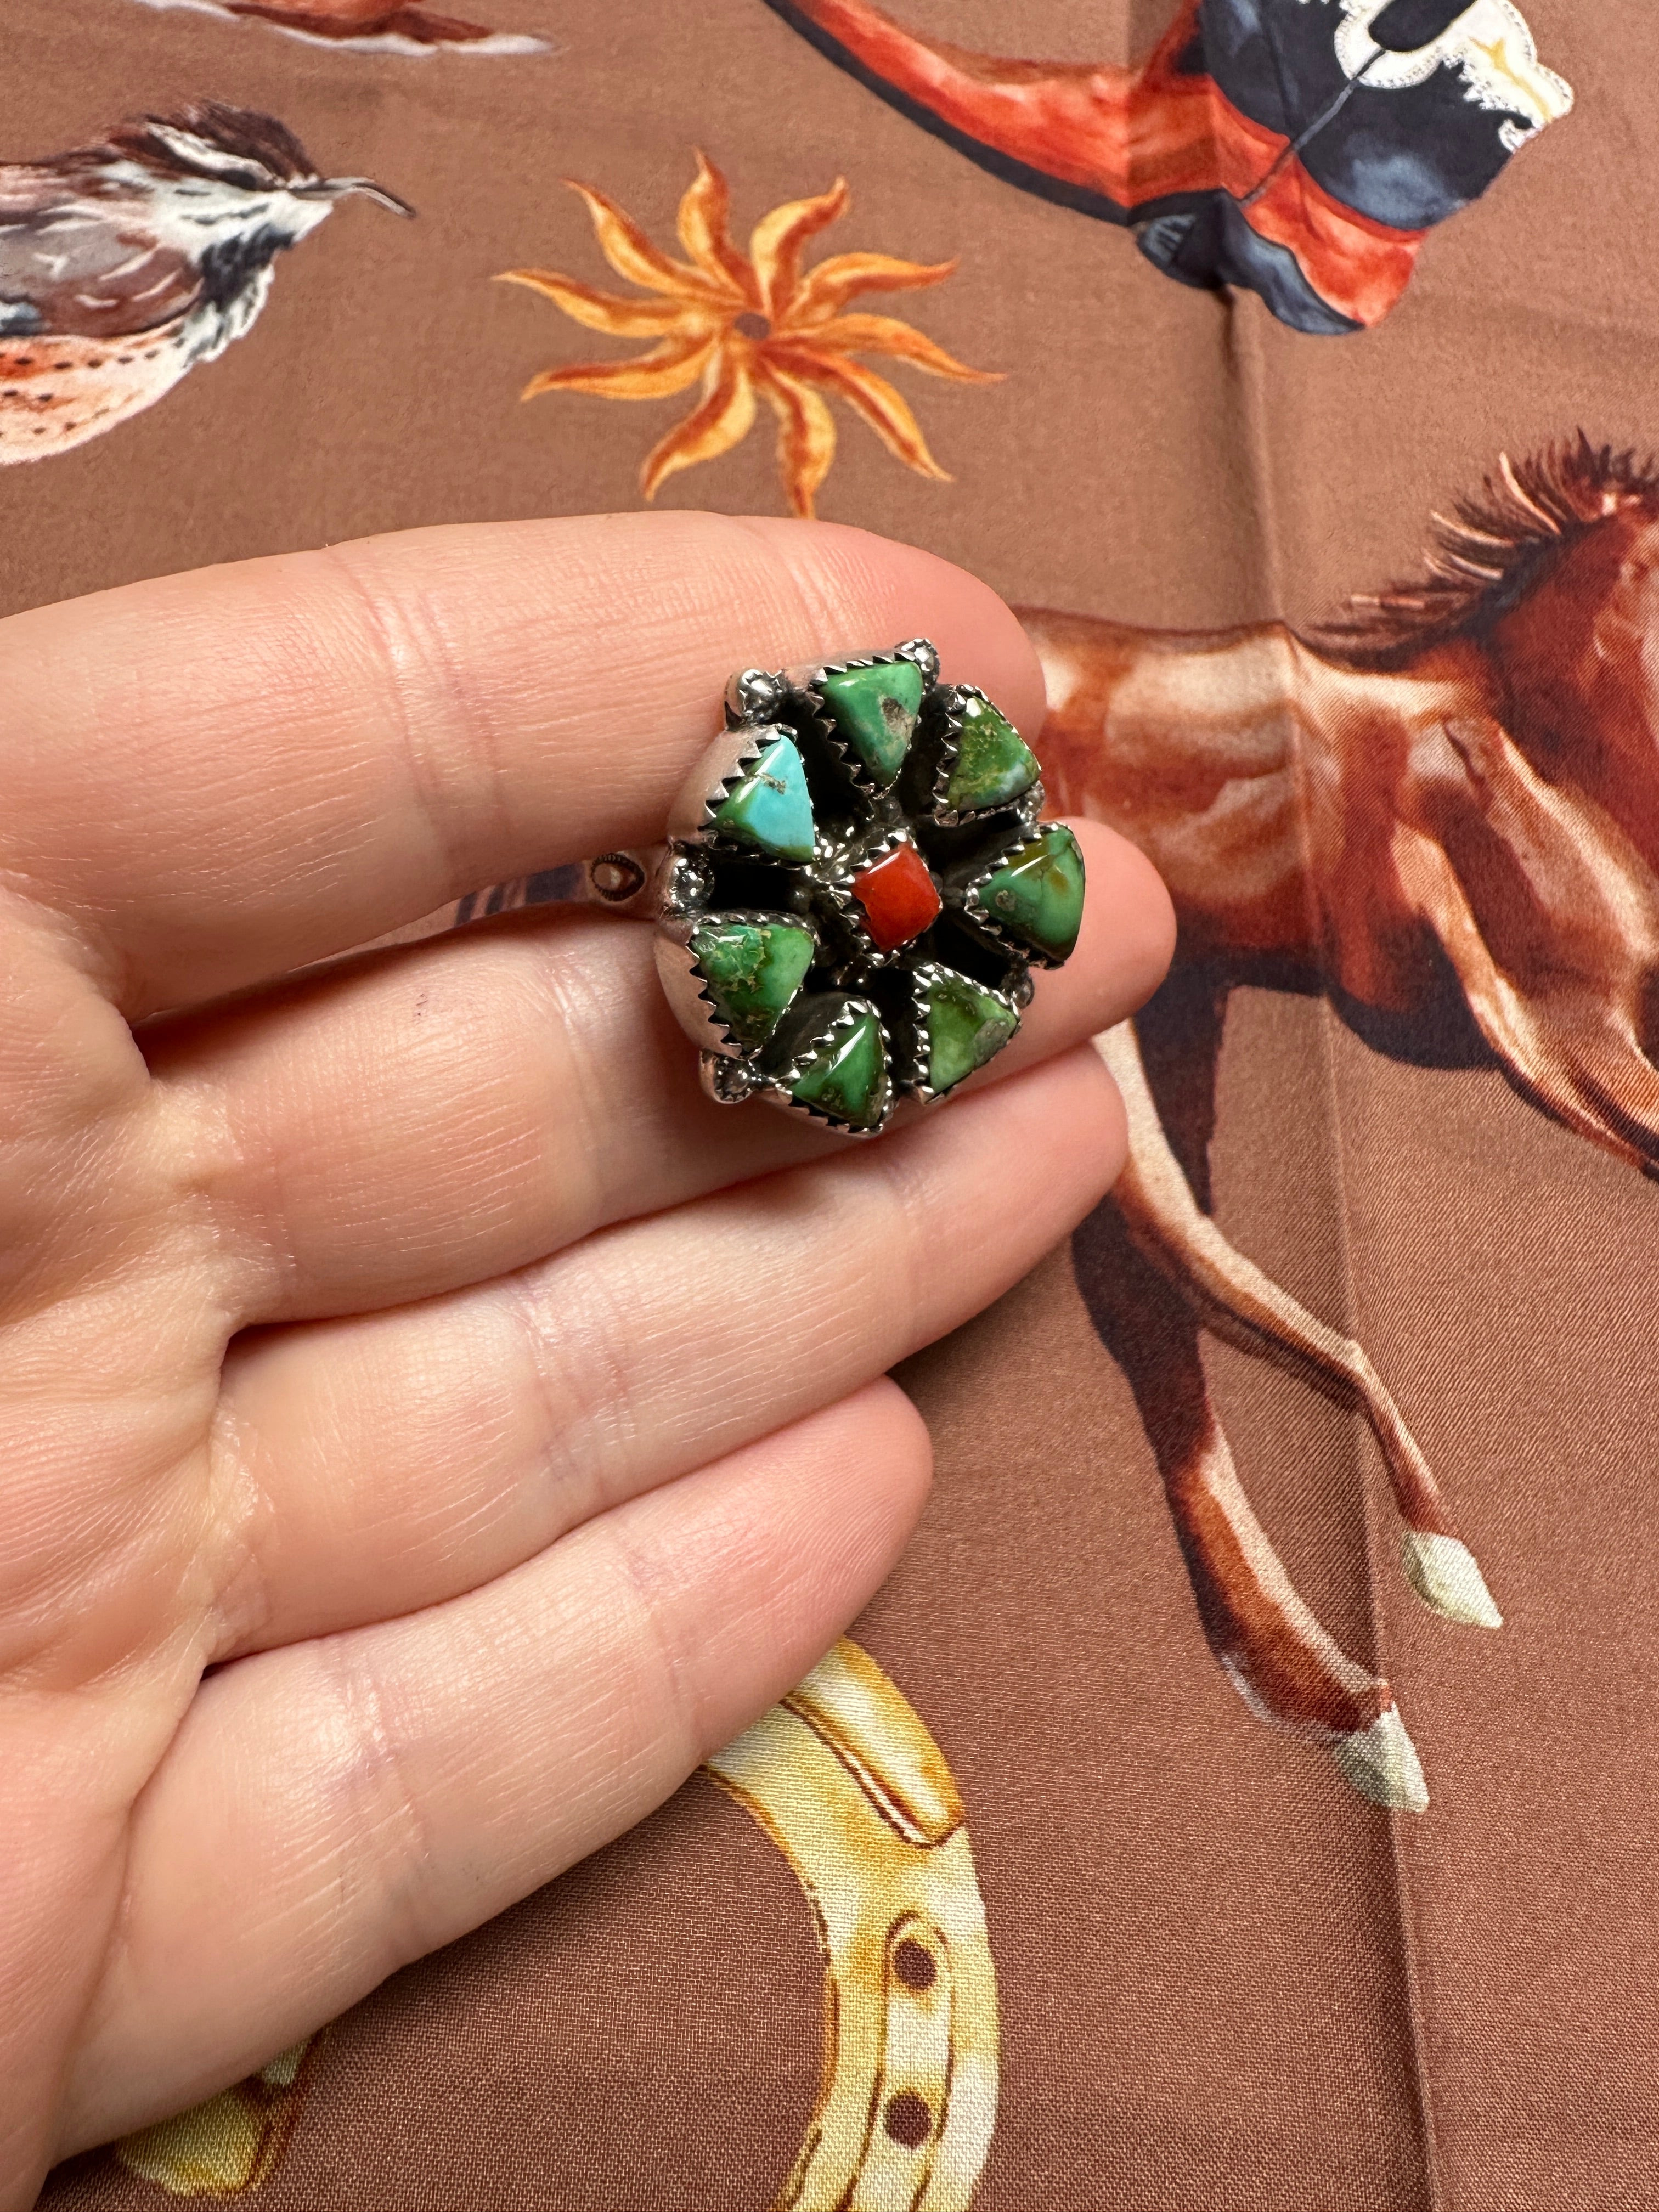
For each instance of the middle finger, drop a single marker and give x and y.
(393, 1460)
(444, 1113)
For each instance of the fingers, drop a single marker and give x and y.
(403, 1457)
(330, 1811)
(311, 749)
(479, 1101)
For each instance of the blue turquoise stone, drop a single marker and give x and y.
(772, 809)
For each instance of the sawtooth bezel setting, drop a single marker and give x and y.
(875, 774)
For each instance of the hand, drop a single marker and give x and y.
(430, 1426)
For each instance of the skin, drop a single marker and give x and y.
(431, 1427)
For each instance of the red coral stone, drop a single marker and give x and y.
(899, 898)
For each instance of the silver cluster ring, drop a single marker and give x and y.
(857, 886)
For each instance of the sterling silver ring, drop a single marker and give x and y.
(857, 884)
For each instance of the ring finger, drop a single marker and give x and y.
(446, 1112)
(401, 1458)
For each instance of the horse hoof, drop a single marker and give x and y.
(1381, 1762)
(1443, 1573)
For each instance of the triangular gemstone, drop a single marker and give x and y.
(751, 970)
(966, 1027)
(875, 710)
(994, 763)
(847, 1077)
(772, 809)
(1038, 896)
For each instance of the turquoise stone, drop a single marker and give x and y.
(994, 763)
(751, 970)
(1037, 894)
(772, 809)
(875, 709)
(966, 1027)
(847, 1076)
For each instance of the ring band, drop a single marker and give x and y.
(856, 885)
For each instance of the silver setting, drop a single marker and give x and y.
(687, 881)
(806, 704)
(984, 923)
(688, 986)
(705, 875)
(717, 776)
(925, 653)
(851, 862)
(913, 1058)
(754, 695)
(945, 733)
(727, 1082)
(816, 1036)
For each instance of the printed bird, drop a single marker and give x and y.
(400, 27)
(122, 265)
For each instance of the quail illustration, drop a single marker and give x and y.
(123, 265)
(402, 27)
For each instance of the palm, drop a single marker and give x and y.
(408, 1343)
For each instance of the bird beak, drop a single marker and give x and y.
(338, 188)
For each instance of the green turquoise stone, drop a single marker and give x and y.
(772, 809)
(1037, 894)
(994, 763)
(966, 1027)
(875, 709)
(847, 1076)
(751, 970)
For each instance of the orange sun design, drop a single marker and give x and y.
(756, 328)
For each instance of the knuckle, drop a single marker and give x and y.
(580, 1325)
(453, 768)
(377, 1839)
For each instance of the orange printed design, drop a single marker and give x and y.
(749, 328)
(1441, 815)
(404, 26)
(1301, 149)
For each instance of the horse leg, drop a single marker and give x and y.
(1234, 1299)
(1284, 1664)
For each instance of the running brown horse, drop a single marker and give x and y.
(1442, 813)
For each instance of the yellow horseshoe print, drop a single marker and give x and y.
(852, 1789)
(855, 1793)
(231, 2144)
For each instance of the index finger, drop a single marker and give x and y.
(220, 776)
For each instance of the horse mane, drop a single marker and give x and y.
(1493, 549)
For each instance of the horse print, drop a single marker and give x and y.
(381, 27)
(1301, 149)
(124, 265)
(1441, 814)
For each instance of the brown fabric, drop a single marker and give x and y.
(1224, 1979)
